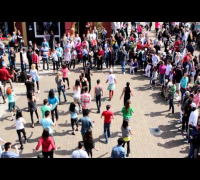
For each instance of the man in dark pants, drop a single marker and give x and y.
(98, 92)
(29, 57)
(87, 72)
(187, 111)
(108, 115)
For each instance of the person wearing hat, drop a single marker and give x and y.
(111, 79)
(193, 119)
(5, 76)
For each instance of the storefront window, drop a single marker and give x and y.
(42, 27)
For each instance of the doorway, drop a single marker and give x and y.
(82, 28)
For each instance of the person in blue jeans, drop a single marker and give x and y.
(60, 86)
(184, 83)
(118, 151)
(108, 115)
(194, 141)
(123, 55)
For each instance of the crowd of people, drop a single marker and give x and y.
(170, 56)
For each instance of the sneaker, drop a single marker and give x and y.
(73, 133)
(76, 129)
(38, 91)
(179, 121)
(180, 129)
(106, 142)
(185, 137)
(21, 148)
(123, 72)
(127, 155)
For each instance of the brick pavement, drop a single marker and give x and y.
(150, 112)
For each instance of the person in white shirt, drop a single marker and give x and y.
(35, 76)
(168, 69)
(193, 119)
(114, 27)
(118, 25)
(24, 59)
(76, 39)
(68, 57)
(93, 35)
(67, 45)
(19, 122)
(111, 79)
(155, 59)
(80, 153)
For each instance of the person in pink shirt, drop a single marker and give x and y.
(196, 98)
(85, 100)
(65, 72)
(162, 70)
(157, 25)
(47, 143)
(139, 29)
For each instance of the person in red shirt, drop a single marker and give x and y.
(176, 45)
(139, 45)
(100, 55)
(35, 59)
(108, 115)
(5, 76)
(47, 143)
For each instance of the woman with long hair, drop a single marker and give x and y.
(60, 86)
(89, 142)
(53, 101)
(35, 76)
(11, 101)
(73, 109)
(48, 145)
(127, 92)
(32, 106)
(127, 111)
(83, 81)
(77, 92)
(126, 131)
(19, 122)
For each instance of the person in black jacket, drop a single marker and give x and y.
(190, 48)
(187, 110)
(29, 57)
(178, 77)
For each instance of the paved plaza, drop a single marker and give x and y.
(150, 112)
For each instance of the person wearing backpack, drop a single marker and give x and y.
(98, 92)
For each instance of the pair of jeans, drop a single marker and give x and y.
(100, 63)
(84, 61)
(183, 90)
(24, 66)
(66, 79)
(107, 131)
(60, 62)
(128, 146)
(55, 111)
(47, 61)
(185, 121)
(19, 135)
(48, 154)
(74, 121)
(55, 65)
(171, 104)
(73, 62)
(193, 152)
(36, 113)
(108, 62)
(98, 102)
(62, 88)
(162, 79)
(123, 66)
